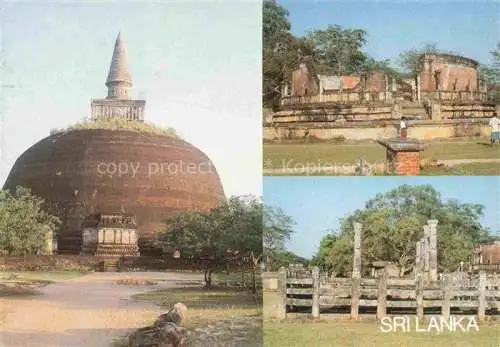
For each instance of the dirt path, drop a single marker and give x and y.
(90, 311)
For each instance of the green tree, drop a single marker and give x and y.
(384, 65)
(282, 52)
(231, 232)
(277, 41)
(339, 50)
(242, 225)
(277, 230)
(491, 74)
(393, 223)
(23, 223)
(285, 258)
(198, 239)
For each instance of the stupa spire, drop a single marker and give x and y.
(118, 103)
(119, 80)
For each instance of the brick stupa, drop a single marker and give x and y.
(106, 171)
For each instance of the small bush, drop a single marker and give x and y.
(120, 124)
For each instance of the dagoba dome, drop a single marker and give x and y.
(95, 169)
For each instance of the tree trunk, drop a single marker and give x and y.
(254, 287)
(243, 276)
(208, 278)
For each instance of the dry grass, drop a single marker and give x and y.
(232, 316)
(121, 124)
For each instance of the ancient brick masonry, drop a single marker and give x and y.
(76, 173)
(146, 175)
(403, 155)
(407, 163)
(448, 73)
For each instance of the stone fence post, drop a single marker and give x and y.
(382, 295)
(433, 262)
(282, 290)
(315, 296)
(356, 271)
(447, 288)
(481, 310)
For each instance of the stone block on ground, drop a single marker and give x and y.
(162, 335)
(177, 314)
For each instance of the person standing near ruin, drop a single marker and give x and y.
(403, 128)
(495, 132)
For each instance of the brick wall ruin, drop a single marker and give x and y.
(447, 73)
(305, 81)
(488, 254)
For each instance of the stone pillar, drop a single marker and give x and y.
(418, 255)
(356, 268)
(386, 85)
(419, 96)
(433, 262)
(426, 254)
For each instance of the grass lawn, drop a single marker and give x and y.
(343, 333)
(41, 275)
(232, 315)
(479, 169)
(288, 155)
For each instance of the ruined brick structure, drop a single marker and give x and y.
(447, 73)
(305, 81)
(375, 81)
(488, 254)
(444, 99)
(84, 172)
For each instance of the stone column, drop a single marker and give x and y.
(426, 252)
(356, 268)
(418, 253)
(386, 85)
(420, 258)
(433, 263)
(419, 96)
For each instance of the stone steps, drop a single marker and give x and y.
(109, 266)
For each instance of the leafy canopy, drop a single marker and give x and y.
(393, 223)
(23, 223)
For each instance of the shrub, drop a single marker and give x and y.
(120, 124)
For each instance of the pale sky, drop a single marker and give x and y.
(197, 64)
